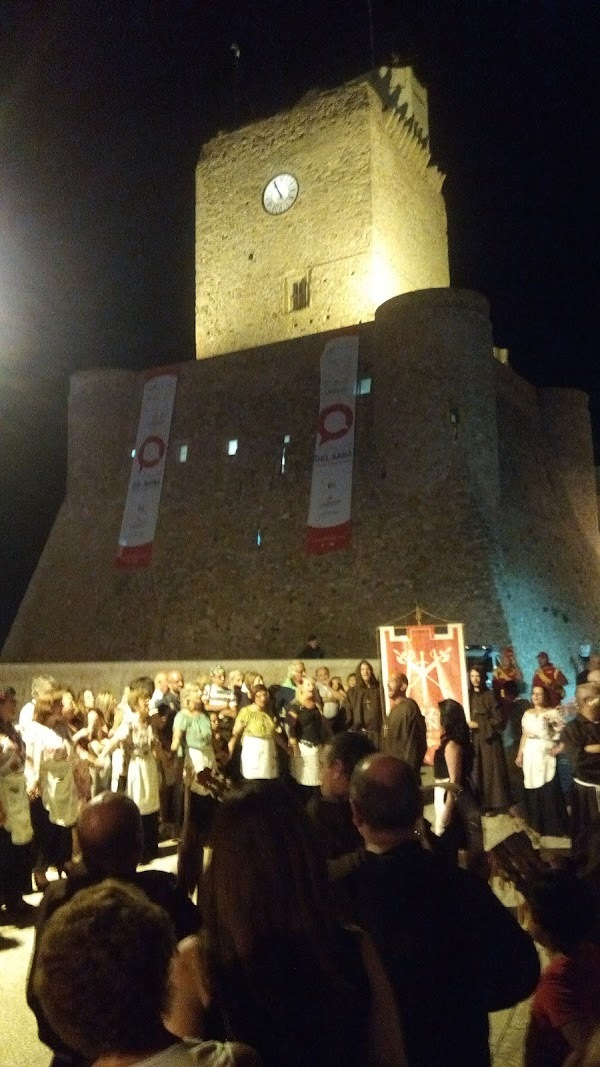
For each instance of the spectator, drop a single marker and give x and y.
(452, 951)
(110, 839)
(113, 1014)
(566, 1004)
(312, 649)
(283, 694)
(331, 816)
(270, 966)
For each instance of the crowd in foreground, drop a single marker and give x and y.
(299, 817)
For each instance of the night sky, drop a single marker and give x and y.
(104, 108)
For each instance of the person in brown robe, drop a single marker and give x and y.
(404, 733)
(489, 771)
(364, 699)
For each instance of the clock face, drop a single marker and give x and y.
(280, 194)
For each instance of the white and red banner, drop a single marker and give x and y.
(147, 469)
(433, 660)
(329, 513)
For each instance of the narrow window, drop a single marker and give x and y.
(183, 453)
(133, 453)
(258, 538)
(232, 447)
(364, 386)
(298, 292)
(286, 440)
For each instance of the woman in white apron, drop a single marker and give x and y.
(140, 744)
(16, 833)
(308, 733)
(192, 736)
(52, 785)
(545, 808)
(260, 734)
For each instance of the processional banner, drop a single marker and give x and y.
(329, 513)
(433, 660)
(147, 469)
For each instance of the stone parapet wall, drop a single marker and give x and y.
(115, 676)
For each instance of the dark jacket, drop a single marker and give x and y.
(452, 951)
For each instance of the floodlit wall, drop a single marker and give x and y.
(247, 260)
(368, 223)
(456, 507)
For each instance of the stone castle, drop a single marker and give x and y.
(473, 494)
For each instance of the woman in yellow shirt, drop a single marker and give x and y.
(259, 734)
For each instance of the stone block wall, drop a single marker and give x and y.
(369, 221)
(410, 244)
(455, 514)
(245, 257)
(548, 568)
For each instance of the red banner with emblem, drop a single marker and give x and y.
(433, 660)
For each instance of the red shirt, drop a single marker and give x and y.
(568, 991)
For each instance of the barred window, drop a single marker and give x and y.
(298, 292)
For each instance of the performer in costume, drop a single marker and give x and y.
(551, 679)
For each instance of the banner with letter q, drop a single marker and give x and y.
(147, 469)
(329, 514)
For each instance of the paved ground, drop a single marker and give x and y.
(19, 1045)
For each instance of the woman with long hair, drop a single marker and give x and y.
(271, 967)
(99, 722)
(545, 808)
(457, 822)
(364, 700)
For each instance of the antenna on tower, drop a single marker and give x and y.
(234, 48)
(371, 33)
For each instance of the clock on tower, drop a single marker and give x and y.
(308, 220)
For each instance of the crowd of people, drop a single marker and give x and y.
(298, 813)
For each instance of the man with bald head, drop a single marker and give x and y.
(453, 953)
(581, 738)
(109, 829)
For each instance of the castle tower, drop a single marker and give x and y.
(309, 220)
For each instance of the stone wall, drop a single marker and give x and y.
(410, 245)
(548, 567)
(457, 506)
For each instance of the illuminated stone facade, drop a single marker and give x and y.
(368, 222)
